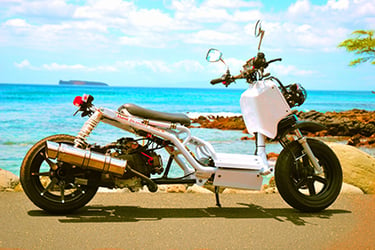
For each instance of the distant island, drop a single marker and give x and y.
(82, 83)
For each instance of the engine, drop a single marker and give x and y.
(141, 158)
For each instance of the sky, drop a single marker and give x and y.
(163, 43)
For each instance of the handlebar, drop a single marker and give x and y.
(274, 60)
(217, 80)
(225, 79)
(256, 64)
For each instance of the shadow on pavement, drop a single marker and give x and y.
(99, 214)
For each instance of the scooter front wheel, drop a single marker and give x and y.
(60, 190)
(297, 182)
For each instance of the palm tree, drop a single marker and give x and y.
(363, 44)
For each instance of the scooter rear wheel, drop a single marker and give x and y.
(56, 191)
(297, 182)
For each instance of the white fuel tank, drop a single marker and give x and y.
(263, 106)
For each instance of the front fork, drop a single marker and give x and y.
(303, 141)
(261, 151)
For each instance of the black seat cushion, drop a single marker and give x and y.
(155, 115)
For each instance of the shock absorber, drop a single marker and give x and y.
(87, 128)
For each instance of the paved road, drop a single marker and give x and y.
(188, 221)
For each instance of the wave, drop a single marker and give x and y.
(16, 143)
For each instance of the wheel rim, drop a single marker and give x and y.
(57, 186)
(306, 182)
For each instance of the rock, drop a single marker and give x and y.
(354, 140)
(358, 167)
(272, 155)
(345, 123)
(8, 180)
(246, 138)
(176, 188)
(239, 191)
(221, 122)
(198, 189)
(350, 189)
(18, 188)
(360, 140)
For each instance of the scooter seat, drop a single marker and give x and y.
(155, 115)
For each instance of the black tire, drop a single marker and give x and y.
(297, 183)
(56, 191)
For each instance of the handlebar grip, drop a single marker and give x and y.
(217, 80)
(274, 60)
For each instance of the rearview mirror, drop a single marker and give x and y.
(258, 28)
(214, 55)
(259, 32)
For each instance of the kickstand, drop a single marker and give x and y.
(217, 196)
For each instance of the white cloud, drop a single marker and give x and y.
(338, 4)
(199, 15)
(24, 64)
(105, 10)
(17, 23)
(300, 7)
(41, 8)
(305, 36)
(131, 41)
(247, 16)
(153, 20)
(211, 22)
(218, 68)
(56, 25)
(192, 21)
(231, 4)
(158, 66)
(213, 37)
(60, 67)
(364, 8)
(188, 66)
(292, 70)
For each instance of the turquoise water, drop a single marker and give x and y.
(29, 113)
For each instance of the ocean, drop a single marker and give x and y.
(29, 113)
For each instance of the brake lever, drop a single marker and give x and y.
(76, 111)
(228, 79)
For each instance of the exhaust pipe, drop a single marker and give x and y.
(85, 159)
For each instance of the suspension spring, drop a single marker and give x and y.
(87, 128)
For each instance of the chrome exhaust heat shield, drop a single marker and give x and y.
(85, 159)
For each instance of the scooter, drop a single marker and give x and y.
(62, 173)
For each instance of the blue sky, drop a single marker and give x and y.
(163, 43)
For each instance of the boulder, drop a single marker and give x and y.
(350, 189)
(358, 167)
(8, 180)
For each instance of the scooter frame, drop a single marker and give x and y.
(228, 165)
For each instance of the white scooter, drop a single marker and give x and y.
(62, 173)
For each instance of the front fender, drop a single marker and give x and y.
(291, 125)
(309, 126)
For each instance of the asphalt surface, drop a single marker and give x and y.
(188, 221)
